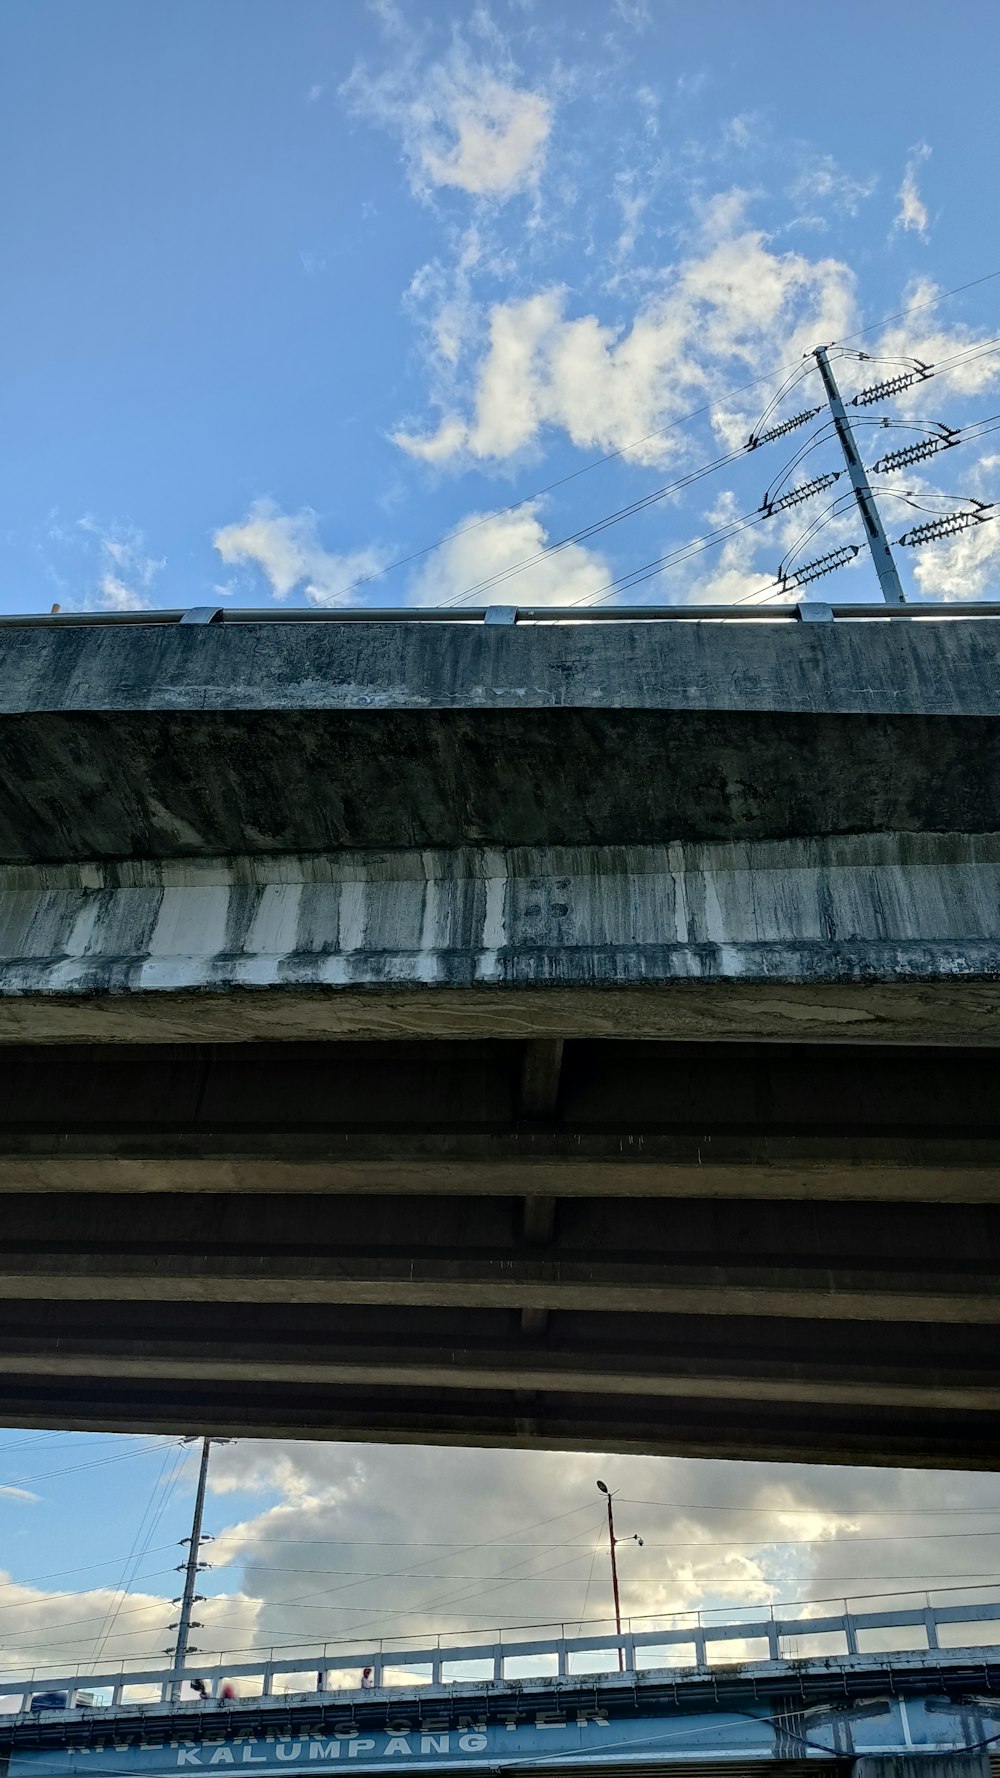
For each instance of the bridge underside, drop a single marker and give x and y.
(764, 1250)
(495, 1035)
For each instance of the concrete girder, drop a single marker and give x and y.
(780, 1239)
(647, 1426)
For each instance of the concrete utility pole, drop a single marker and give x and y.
(878, 543)
(184, 1624)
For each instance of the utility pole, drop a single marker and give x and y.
(614, 1574)
(878, 543)
(184, 1624)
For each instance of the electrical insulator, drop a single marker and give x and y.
(779, 431)
(914, 453)
(805, 491)
(892, 385)
(837, 558)
(946, 527)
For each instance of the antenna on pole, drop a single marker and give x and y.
(878, 543)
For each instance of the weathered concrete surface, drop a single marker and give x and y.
(766, 1328)
(921, 669)
(896, 909)
(177, 741)
(259, 842)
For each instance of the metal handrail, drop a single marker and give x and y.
(773, 1630)
(506, 614)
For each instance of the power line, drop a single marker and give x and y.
(900, 1592)
(97, 1463)
(128, 1580)
(722, 534)
(635, 507)
(660, 432)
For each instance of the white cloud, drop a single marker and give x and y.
(463, 123)
(967, 565)
(10, 1493)
(359, 1541)
(286, 548)
(824, 183)
(372, 1540)
(922, 336)
(733, 306)
(912, 213)
(124, 572)
(488, 544)
(635, 14)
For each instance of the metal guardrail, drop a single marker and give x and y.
(798, 611)
(436, 1658)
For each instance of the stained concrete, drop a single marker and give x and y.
(922, 669)
(178, 741)
(260, 835)
(896, 909)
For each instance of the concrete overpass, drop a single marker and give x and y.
(568, 1034)
(862, 1714)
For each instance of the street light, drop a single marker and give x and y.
(635, 1538)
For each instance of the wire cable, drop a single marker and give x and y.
(127, 1580)
(660, 432)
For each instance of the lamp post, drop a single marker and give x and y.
(635, 1538)
(614, 1571)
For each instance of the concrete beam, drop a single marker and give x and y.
(860, 1293)
(571, 1423)
(884, 936)
(303, 738)
(639, 1257)
(914, 1169)
(633, 1119)
(515, 1367)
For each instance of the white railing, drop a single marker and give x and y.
(558, 1656)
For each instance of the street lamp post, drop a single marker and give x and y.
(614, 1573)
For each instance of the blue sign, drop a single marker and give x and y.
(443, 1737)
(434, 1739)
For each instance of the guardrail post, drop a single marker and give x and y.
(628, 1649)
(435, 1670)
(851, 1633)
(498, 1663)
(930, 1626)
(700, 1655)
(267, 1681)
(562, 1658)
(773, 1642)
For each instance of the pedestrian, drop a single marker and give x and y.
(227, 1692)
(367, 1679)
(200, 1689)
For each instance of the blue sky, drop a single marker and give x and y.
(293, 290)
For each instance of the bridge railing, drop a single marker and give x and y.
(557, 1656)
(788, 611)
